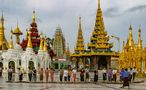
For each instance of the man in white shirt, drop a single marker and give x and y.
(65, 75)
(74, 71)
(115, 75)
(134, 73)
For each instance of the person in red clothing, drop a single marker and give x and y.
(82, 71)
(74, 71)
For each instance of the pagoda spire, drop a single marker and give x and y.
(29, 43)
(33, 16)
(139, 39)
(41, 42)
(2, 21)
(99, 38)
(45, 45)
(80, 40)
(130, 38)
(1, 30)
(3, 42)
(99, 23)
(11, 46)
(98, 3)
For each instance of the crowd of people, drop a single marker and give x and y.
(68, 75)
(126, 75)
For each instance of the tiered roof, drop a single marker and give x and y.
(34, 35)
(80, 40)
(99, 38)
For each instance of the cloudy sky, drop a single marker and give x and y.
(118, 15)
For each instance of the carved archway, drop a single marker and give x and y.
(31, 64)
(12, 65)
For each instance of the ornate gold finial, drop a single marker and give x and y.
(45, 44)
(139, 38)
(33, 16)
(139, 30)
(11, 40)
(41, 41)
(98, 4)
(2, 20)
(29, 43)
(130, 38)
(130, 28)
(80, 22)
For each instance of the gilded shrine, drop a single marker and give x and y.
(99, 54)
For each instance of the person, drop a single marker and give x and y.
(121, 75)
(134, 73)
(82, 71)
(95, 75)
(65, 75)
(52, 74)
(61, 74)
(47, 74)
(87, 74)
(10, 72)
(20, 74)
(109, 73)
(114, 75)
(130, 74)
(74, 71)
(41, 74)
(69, 74)
(1, 70)
(30, 74)
(34, 74)
(126, 78)
(104, 74)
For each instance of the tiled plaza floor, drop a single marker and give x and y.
(58, 86)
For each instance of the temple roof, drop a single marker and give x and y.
(80, 40)
(17, 31)
(99, 38)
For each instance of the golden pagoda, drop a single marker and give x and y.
(29, 43)
(41, 42)
(17, 32)
(99, 54)
(132, 53)
(80, 40)
(3, 42)
(45, 45)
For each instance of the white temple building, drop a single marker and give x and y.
(29, 58)
(12, 57)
